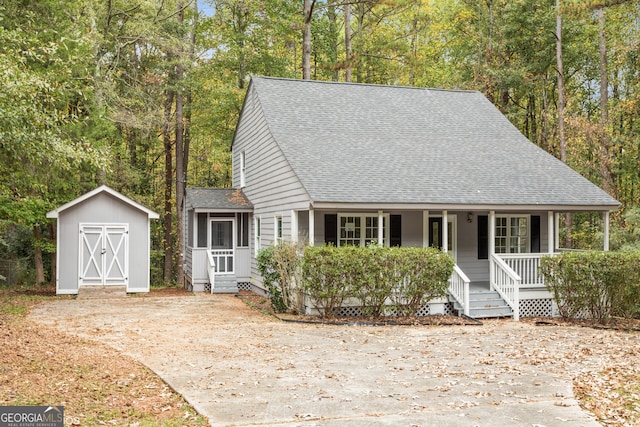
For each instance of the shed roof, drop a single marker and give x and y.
(356, 143)
(102, 189)
(218, 198)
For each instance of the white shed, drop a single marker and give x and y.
(103, 240)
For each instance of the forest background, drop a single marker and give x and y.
(144, 95)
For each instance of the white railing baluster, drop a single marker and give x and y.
(459, 288)
(507, 283)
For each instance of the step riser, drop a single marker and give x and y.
(485, 304)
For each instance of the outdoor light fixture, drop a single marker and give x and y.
(470, 217)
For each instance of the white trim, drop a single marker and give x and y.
(278, 239)
(312, 227)
(445, 232)
(104, 240)
(103, 188)
(257, 234)
(550, 232)
(294, 226)
(58, 290)
(425, 229)
(508, 227)
(606, 231)
(381, 220)
(345, 206)
(363, 218)
(243, 169)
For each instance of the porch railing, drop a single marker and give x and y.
(223, 260)
(211, 269)
(527, 267)
(459, 288)
(504, 280)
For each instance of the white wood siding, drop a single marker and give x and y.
(102, 209)
(271, 185)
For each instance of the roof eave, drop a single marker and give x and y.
(103, 188)
(462, 206)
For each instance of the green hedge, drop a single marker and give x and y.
(596, 285)
(381, 278)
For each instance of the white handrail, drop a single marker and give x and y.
(507, 283)
(459, 288)
(211, 270)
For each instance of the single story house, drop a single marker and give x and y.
(103, 240)
(347, 164)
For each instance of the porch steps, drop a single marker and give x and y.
(102, 292)
(485, 304)
(225, 285)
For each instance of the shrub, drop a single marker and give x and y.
(279, 267)
(383, 279)
(594, 284)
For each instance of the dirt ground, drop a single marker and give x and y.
(97, 385)
(239, 366)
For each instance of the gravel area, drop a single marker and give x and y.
(238, 366)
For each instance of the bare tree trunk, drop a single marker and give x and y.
(180, 172)
(561, 105)
(306, 39)
(605, 160)
(347, 41)
(37, 254)
(168, 186)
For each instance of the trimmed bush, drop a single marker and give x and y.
(596, 285)
(381, 278)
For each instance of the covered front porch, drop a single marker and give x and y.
(496, 251)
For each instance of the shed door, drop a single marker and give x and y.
(104, 251)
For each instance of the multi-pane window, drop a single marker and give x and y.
(258, 244)
(278, 229)
(242, 229)
(512, 234)
(360, 230)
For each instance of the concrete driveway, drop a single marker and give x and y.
(239, 367)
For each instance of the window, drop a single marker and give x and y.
(278, 230)
(243, 168)
(190, 229)
(361, 229)
(202, 230)
(242, 239)
(258, 235)
(512, 234)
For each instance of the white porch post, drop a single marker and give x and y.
(445, 232)
(312, 226)
(606, 230)
(294, 226)
(492, 246)
(425, 229)
(380, 228)
(550, 233)
(556, 244)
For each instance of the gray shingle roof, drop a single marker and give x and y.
(358, 143)
(219, 198)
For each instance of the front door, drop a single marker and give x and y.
(435, 234)
(104, 250)
(222, 244)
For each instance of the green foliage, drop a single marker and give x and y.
(594, 284)
(271, 278)
(382, 279)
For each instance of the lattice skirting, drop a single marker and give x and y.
(424, 311)
(244, 286)
(536, 307)
(207, 287)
